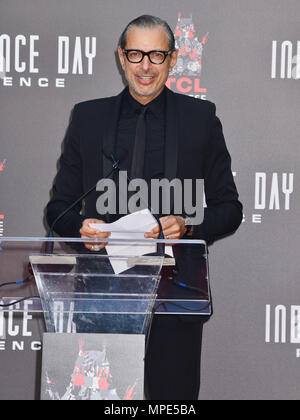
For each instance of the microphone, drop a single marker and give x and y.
(160, 246)
(50, 245)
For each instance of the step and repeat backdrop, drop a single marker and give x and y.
(245, 57)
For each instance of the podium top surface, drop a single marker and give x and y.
(36, 239)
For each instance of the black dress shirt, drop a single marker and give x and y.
(155, 135)
(155, 138)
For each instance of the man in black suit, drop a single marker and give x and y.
(184, 140)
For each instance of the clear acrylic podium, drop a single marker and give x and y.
(123, 284)
(98, 305)
(80, 293)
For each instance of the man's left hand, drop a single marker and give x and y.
(173, 228)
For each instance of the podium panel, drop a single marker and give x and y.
(79, 293)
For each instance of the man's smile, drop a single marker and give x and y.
(145, 79)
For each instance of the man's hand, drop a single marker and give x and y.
(173, 228)
(87, 232)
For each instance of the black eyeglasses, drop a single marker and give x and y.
(155, 56)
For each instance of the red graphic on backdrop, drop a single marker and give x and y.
(2, 165)
(185, 76)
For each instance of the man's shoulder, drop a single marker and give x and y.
(94, 104)
(193, 104)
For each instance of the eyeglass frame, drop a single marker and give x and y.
(166, 53)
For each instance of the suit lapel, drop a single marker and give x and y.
(172, 130)
(110, 133)
(171, 145)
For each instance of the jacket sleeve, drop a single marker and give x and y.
(223, 213)
(67, 186)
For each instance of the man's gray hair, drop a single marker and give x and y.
(148, 21)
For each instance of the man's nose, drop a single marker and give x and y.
(146, 63)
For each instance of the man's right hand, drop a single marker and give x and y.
(87, 232)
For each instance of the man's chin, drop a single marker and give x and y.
(145, 94)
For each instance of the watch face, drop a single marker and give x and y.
(188, 225)
(187, 221)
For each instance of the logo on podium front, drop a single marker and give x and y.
(92, 367)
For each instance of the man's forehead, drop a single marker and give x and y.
(149, 38)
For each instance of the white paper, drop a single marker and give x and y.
(132, 226)
(139, 222)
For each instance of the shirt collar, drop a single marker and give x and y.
(156, 106)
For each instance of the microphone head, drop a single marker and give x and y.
(114, 157)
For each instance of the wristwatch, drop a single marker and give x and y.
(189, 226)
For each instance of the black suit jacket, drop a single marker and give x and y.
(194, 149)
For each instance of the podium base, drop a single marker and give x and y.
(93, 366)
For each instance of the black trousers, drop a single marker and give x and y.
(173, 356)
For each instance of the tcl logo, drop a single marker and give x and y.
(185, 85)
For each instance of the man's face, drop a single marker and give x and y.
(146, 80)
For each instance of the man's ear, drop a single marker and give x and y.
(173, 60)
(121, 57)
